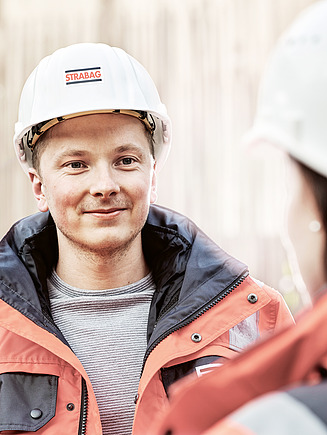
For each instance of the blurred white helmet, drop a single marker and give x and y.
(292, 106)
(83, 79)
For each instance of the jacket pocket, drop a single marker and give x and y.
(27, 400)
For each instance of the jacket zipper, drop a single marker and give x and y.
(84, 409)
(196, 315)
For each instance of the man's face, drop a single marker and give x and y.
(96, 176)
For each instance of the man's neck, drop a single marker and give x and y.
(101, 270)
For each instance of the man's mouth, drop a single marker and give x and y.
(105, 212)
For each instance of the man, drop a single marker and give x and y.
(106, 300)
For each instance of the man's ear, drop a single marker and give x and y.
(38, 190)
(154, 194)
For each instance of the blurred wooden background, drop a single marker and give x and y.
(206, 57)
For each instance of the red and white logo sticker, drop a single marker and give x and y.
(83, 75)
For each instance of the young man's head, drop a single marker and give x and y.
(96, 175)
(90, 134)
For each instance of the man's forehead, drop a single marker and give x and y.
(103, 122)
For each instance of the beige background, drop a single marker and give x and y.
(206, 57)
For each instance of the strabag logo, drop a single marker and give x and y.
(83, 75)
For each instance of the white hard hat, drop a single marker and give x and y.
(83, 79)
(292, 106)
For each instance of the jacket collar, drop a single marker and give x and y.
(188, 268)
(25, 260)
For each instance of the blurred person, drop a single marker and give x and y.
(279, 386)
(106, 298)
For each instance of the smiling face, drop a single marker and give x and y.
(96, 176)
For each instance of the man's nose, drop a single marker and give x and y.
(104, 181)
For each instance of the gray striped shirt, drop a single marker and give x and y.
(107, 331)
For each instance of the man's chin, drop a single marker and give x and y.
(108, 243)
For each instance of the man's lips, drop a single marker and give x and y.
(105, 210)
(105, 213)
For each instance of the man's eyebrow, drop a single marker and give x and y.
(71, 153)
(129, 147)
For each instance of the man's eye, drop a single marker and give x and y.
(127, 161)
(75, 165)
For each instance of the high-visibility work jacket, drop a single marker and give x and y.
(278, 384)
(206, 307)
